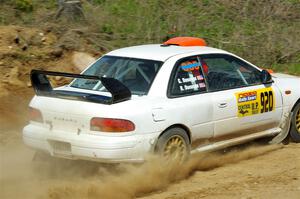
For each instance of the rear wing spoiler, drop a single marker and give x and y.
(43, 87)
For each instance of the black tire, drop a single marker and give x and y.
(295, 128)
(167, 148)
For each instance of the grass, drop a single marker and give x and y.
(264, 32)
(291, 68)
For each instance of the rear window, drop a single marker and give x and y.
(136, 74)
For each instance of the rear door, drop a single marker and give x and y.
(241, 103)
(188, 99)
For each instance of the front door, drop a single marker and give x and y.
(241, 103)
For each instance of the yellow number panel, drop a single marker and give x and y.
(255, 102)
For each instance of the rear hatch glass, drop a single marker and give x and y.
(136, 74)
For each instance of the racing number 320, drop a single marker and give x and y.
(267, 101)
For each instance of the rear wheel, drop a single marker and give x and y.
(295, 128)
(174, 145)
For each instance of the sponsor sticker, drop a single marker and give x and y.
(202, 85)
(255, 102)
(191, 67)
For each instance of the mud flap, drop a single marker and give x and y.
(285, 129)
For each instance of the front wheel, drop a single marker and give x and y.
(295, 128)
(174, 145)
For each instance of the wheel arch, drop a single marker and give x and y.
(297, 102)
(182, 126)
(294, 132)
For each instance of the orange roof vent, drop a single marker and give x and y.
(185, 41)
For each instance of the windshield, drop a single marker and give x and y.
(136, 74)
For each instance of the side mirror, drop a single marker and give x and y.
(266, 77)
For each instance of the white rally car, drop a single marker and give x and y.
(176, 98)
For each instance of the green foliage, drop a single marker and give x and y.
(260, 31)
(98, 1)
(107, 28)
(49, 4)
(263, 32)
(292, 68)
(24, 5)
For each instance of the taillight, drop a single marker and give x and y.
(111, 125)
(35, 115)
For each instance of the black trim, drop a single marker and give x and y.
(171, 79)
(42, 87)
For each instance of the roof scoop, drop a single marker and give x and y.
(185, 41)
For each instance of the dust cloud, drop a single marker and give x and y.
(23, 176)
(130, 181)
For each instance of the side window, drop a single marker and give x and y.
(188, 77)
(227, 72)
(252, 75)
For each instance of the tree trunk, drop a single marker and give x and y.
(69, 9)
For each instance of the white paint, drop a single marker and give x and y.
(206, 115)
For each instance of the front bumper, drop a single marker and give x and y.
(131, 148)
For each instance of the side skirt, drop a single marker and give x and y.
(235, 141)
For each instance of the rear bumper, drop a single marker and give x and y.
(132, 148)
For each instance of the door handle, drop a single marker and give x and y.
(222, 105)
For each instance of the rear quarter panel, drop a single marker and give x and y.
(135, 110)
